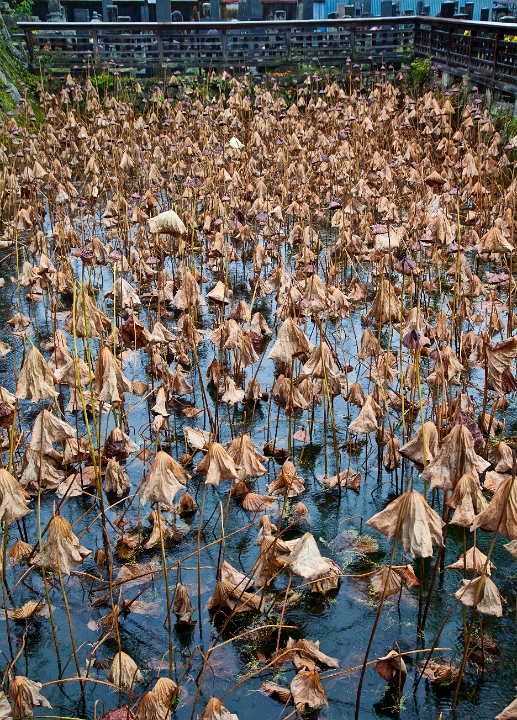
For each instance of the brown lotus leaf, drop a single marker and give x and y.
(420, 525)
(482, 593)
(116, 480)
(391, 457)
(288, 396)
(48, 430)
(36, 380)
(370, 347)
(501, 513)
(217, 465)
(307, 691)
(232, 394)
(167, 223)
(196, 438)
(321, 363)
(455, 457)
(501, 456)
(215, 710)
(165, 478)
(242, 450)
(187, 505)
(124, 671)
(161, 530)
(473, 560)
(30, 609)
(132, 575)
(347, 479)
(189, 295)
(386, 305)
(287, 482)
(509, 713)
(290, 342)
(19, 552)
(467, 501)
(182, 606)
(89, 320)
(440, 673)
(493, 481)
(119, 445)
(227, 595)
(149, 708)
(110, 381)
(123, 295)
(391, 667)
(306, 561)
(61, 551)
(254, 502)
(356, 395)
(13, 498)
(25, 695)
(277, 692)
(499, 357)
(366, 421)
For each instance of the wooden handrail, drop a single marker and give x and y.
(488, 55)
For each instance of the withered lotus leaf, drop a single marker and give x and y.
(509, 713)
(13, 498)
(25, 695)
(89, 320)
(165, 478)
(473, 560)
(167, 223)
(455, 457)
(48, 430)
(110, 381)
(306, 561)
(247, 458)
(501, 513)
(420, 527)
(36, 380)
(183, 605)
(215, 710)
(61, 551)
(290, 342)
(467, 501)
(124, 671)
(366, 421)
(483, 593)
(217, 465)
(307, 691)
(391, 666)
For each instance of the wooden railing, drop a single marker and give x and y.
(217, 45)
(484, 51)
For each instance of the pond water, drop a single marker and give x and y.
(343, 619)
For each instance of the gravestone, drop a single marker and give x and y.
(81, 15)
(367, 7)
(56, 12)
(254, 10)
(144, 13)
(308, 9)
(448, 9)
(214, 10)
(163, 11)
(244, 10)
(386, 8)
(112, 13)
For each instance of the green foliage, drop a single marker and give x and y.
(420, 71)
(22, 7)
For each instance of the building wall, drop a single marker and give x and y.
(328, 6)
